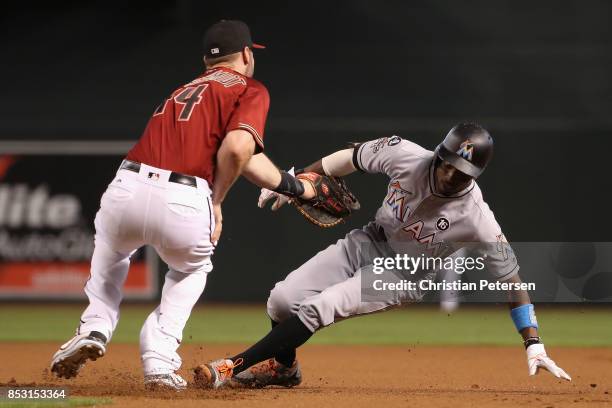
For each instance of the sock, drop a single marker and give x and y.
(285, 336)
(286, 358)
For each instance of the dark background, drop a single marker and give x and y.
(537, 74)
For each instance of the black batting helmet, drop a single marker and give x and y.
(468, 147)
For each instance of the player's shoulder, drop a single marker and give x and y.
(227, 79)
(252, 82)
(396, 144)
(257, 86)
(410, 155)
(391, 152)
(415, 149)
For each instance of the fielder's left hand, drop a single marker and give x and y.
(279, 199)
(536, 358)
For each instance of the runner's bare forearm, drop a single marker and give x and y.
(316, 167)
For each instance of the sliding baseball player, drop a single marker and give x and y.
(433, 202)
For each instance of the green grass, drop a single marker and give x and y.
(67, 403)
(417, 324)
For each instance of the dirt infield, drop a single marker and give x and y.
(344, 377)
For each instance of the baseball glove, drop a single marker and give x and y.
(331, 205)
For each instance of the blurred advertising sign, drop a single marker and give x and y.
(47, 206)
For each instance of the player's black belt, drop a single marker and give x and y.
(174, 176)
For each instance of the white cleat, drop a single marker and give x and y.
(171, 381)
(73, 354)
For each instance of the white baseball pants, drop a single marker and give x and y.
(145, 208)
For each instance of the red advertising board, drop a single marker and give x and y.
(47, 206)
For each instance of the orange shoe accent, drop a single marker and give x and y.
(226, 371)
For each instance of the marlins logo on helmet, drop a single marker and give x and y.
(466, 150)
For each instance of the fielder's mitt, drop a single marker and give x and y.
(332, 204)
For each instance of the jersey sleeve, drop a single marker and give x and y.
(386, 155)
(500, 262)
(251, 112)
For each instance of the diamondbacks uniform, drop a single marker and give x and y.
(412, 215)
(187, 129)
(161, 197)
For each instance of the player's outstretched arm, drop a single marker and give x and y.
(338, 164)
(263, 173)
(260, 171)
(523, 316)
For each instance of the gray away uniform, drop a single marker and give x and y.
(328, 287)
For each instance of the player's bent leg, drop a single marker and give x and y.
(289, 334)
(182, 240)
(329, 267)
(339, 301)
(119, 225)
(326, 268)
(98, 321)
(162, 332)
(281, 301)
(333, 265)
(118, 234)
(342, 301)
(104, 289)
(283, 359)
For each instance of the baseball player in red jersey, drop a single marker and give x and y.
(168, 194)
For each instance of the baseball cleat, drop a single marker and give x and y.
(215, 374)
(73, 354)
(171, 381)
(269, 373)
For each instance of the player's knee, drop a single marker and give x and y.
(315, 313)
(279, 303)
(310, 315)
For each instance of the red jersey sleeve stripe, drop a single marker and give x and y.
(253, 131)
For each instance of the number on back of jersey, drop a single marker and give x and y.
(187, 99)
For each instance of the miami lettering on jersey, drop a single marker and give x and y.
(396, 199)
(416, 228)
